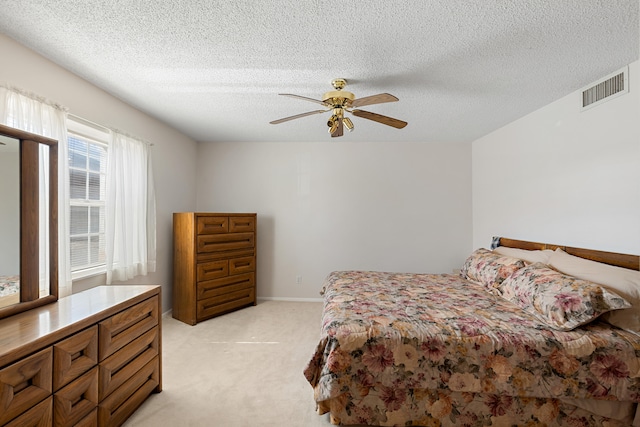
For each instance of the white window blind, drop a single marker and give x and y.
(88, 151)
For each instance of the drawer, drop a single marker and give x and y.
(211, 270)
(218, 256)
(240, 224)
(90, 420)
(40, 415)
(225, 242)
(122, 328)
(76, 400)
(121, 366)
(118, 406)
(221, 304)
(225, 285)
(212, 225)
(242, 265)
(74, 356)
(25, 384)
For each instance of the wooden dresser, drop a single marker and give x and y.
(89, 359)
(214, 264)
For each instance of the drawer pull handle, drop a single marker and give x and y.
(78, 399)
(22, 386)
(142, 350)
(214, 244)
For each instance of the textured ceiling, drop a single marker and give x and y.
(213, 69)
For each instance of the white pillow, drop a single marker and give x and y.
(622, 281)
(529, 257)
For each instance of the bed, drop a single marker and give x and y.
(9, 290)
(526, 334)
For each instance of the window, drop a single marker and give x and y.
(87, 155)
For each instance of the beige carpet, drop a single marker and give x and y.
(240, 369)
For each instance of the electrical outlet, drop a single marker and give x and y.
(298, 280)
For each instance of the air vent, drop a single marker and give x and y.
(605, 89)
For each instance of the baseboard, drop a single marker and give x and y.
(289, 299)
(169, 312)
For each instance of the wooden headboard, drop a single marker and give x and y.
(613, 258)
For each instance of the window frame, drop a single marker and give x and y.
(97, 135)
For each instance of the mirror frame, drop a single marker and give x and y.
(29, 221)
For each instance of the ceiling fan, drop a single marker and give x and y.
(338, 101)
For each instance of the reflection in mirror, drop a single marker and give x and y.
(9, 221)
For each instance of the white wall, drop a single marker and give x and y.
(563, 176)
(338, 205)
(173, 154)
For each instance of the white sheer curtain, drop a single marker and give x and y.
(130, 209)
(38, 115)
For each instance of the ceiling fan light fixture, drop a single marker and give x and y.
(348, 123)
(333, 123)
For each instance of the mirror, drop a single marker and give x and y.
(9, 221)
(28, 221)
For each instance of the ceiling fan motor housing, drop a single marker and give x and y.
(338, 98)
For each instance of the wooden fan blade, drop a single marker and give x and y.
(340, 130)
(304, 98)
(374, 99)
(389, 121)
(297, 116)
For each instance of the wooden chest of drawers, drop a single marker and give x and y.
(89, 359)
(214, 264)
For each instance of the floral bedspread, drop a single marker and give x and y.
(9, 285)
(406, 332)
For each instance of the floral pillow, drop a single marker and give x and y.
(561, 302)
(489, 268)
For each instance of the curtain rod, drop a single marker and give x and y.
(107, 128)
(89, 122)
